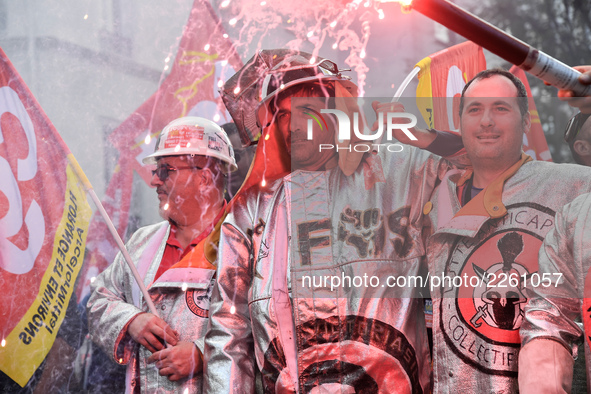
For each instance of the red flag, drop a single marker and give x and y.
(534, 142)
(44, 219)
(442, 77)
(205, 56)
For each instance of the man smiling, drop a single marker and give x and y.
(493, 126)
(488, 224)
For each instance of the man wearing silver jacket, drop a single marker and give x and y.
(192, 156)
(489, 223)
(289, 239)
(550, 332)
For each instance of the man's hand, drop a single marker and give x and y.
(147, 330)
(424, 137)
(178, 362)
(582, 103)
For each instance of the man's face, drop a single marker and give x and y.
(491, 124)
(293, 125)
(180, 193)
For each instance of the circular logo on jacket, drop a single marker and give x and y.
(198, 300)
(351, 354)
(480, 314)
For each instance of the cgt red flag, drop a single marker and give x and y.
(205, 57)
(44, 220)
(534, 142)
(442, 77)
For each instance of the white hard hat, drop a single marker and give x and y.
(192, 135)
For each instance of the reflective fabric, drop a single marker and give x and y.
(484, 254)
(364, 337)
(111, 307)
(556, 311)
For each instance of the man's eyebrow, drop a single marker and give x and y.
(474, 104)
(502, 102)
(305, 106)
(496, 102)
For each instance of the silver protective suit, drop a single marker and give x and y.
(116, 299)
(558, 308)
(480, 259)
(366, 336)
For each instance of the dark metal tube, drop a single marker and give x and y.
(502, 44)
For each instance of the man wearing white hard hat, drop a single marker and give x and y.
(164, 353)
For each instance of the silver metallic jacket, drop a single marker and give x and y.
(556, 309)
(274, 297)
(116, 299)
(481, 256)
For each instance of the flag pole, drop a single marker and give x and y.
(404, 84)
(90, 190)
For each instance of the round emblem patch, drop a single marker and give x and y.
(198, 300)
(198, 304)
(480, 318)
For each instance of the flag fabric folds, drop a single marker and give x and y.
(44, 217)
(442, 77)
(205, 57)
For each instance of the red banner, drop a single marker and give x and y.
(204, 58)
(43, 225)
(444, 74)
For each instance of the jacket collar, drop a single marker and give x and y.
(489, 202)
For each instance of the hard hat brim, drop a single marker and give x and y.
(153, 158)
(264, 114)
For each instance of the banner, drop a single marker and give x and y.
(534, 142)
(444, 74)
(205, 59)
(44, 220)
